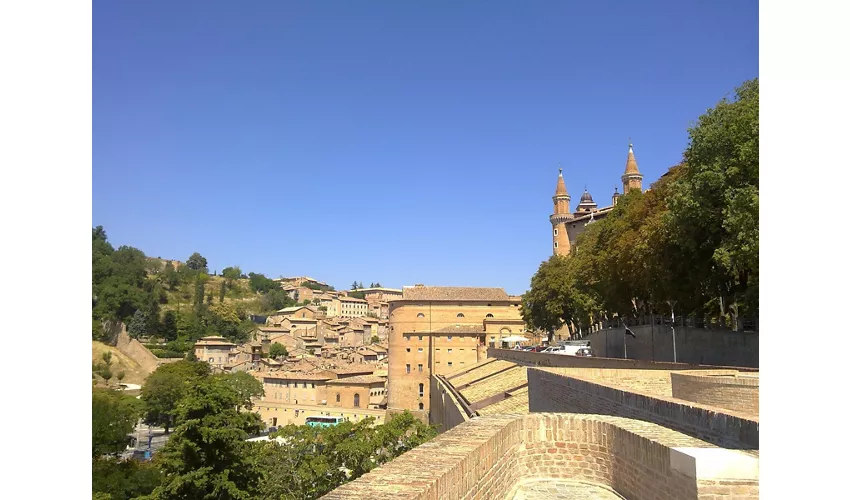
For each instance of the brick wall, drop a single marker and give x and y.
(718, 388)
(487, 457)
(560, 360)
(693, 345)
(446, 412)
(553, 392)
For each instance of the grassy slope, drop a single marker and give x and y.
(133, 373)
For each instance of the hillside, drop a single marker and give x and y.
(182, 296)
(133, 373)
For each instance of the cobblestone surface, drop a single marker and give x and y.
(559, 489)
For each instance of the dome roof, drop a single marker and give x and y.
(586, 197)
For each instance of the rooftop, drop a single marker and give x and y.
(360, 379)
(453, 293)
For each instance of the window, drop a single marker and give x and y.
(356, 400)
(420, 349)
(450, 350)
(450, 363)
(420, 337)
(420, 367)
(449, 338)
(421, 406)
(556, 244)
(489, 315)
(460, 315)
(407, 367)
(421, 389)
(420, 315)
(337, 397)
(408, 349)
(556, 231)
(407, 337)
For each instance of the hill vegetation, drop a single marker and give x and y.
(177, 305)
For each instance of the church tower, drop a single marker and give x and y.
(632, 179)
(559, 219)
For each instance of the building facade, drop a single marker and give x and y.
(568, 224)
(437, 330)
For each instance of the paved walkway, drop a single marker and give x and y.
(559, 489)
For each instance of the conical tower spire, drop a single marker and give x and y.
(632, 178)
(631, 163)
(561, 188)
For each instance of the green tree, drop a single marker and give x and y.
(207, 456)
(115, 479)
(354, 286)
(259, 283)
(138, 325)
(278, 350)
(377, 285)
(246, 387)
(375, 339)
(196, 262)
(114, 417)
(170, 276)
(165, 387)
(168, 330)
(222, 289)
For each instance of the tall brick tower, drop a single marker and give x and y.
(632, 179)
(559, 219)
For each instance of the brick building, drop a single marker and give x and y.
(436, 330)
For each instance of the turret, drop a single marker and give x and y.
(561, 215)
(632, 178)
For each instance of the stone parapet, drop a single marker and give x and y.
(488, 457)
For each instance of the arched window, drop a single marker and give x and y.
(421, 390)
(460, 315)
(337, 397)
(303, 315)
(357, 400)
(420, 315)
(505, 330)
(489, 315)
(421, 406)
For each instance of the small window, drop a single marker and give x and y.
(337, 397)
(450, 351)
(407, 367)
(556, 244)
(408, 349)
(421, 406)
(420, 337)
(460, 315)
(489, 315)
(420, 368)
(356, 401)
(450, 363)
(556, 232)
(420, 315)
(420, 349)
(449, 338)
(421, 389)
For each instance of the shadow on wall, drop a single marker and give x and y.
(693, 345)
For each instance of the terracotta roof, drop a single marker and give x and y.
(352, 368)
(295, 308)
(462, 329)
(561, 188)
(499, 383)
(351, 299)
(286, 375)
(265, 329)
(517, 403)
(631, 163)
(214, 341)
(360, 379)
(453, 293)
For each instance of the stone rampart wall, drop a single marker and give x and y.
(560, 360)
(446, 411)
(721, 389)
(554, 392)
(487, 457)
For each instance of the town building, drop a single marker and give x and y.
(436, 330)
(352, 307)
(568, 224)
(217, 351)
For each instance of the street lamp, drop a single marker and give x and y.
(673, 326)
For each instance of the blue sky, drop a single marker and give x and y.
(400, 142)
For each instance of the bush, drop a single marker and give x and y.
(166, 354)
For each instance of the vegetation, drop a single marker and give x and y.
(166, 386)
(375, 339)
(313, 461)
(691, 242)
(278, 350)
(114, 417)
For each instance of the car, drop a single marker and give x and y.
(539, 348)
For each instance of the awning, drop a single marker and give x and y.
(514, 338)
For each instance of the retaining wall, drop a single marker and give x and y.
(724, 389)
(487, 457)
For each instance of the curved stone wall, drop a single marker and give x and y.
(727, 389)
(488, 457)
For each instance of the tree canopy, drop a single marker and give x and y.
(114, 416)
(692, 240)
